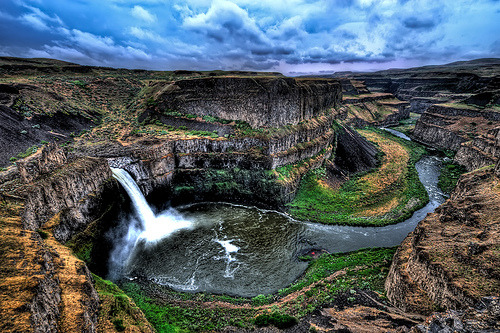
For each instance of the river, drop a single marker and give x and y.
(245, 251)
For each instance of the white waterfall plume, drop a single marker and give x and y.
(148, 228)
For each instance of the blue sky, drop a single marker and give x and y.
(290, 36)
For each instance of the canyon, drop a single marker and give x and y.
(246, 138)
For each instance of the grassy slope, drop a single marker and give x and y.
(449, 175)
(19, 268)
(117, 311)
(386, 195)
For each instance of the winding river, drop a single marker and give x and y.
(245, 251)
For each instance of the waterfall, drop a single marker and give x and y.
(153, 227)
(139, 201)
(147, 228)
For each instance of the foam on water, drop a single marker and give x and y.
(228, 248)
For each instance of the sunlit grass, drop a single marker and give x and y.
(386, 195)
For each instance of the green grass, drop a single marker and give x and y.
(327, 264)
(171, 317)
(116, 307)
(448, 178)
(277, 319)
(30, 151)
(319, 203)
(203, 133)
(407, 125)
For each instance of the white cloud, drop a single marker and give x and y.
(227, 23)
(62, 53)
(142, 14)
(38, 20)
(34, 21)
(145, 34)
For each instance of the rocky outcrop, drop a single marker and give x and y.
(371, 109)
(353, 154)
(66, 188)
(432, 130)
(450, 260)
(483, 317)
(155, 163)
(44, 288)
(352, 87)
(261, 102)
(449, 126)
(50, 158)
(482, 151)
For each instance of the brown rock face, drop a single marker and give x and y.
(261, 102)
(51, 157)
(43, 287)
(66, 189)
(451, 259)
(482, 151)
(447, 127)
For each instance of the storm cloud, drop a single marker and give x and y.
(285, 35)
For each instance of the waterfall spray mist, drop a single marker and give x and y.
(146, 228)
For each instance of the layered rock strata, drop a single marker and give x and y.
(473, 81)
(362, 108)
(449, 126)
(261, 102)
(484, 150)
(451, 259)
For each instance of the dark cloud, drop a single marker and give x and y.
(419, 23)
(259, 66)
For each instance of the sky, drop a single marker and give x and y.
(289, 36)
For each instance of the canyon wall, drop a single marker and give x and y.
(484, 150)
(261, 102)
(470, 131)
(474, 81)
(361, 108)
(450, 260)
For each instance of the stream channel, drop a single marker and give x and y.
(242, 251)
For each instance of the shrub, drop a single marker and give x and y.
(277, 319)
(119, 325)
(261, 300)
(151, 102)
(43, 234)
(448, 178)
(80, 83)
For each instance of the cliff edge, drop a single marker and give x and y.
(451, 259)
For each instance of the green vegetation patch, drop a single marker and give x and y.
(277, 319)
(407, 126)
(116, 309)
(448, 178)
(370, 277)
(386, 195)
(30, 151)
(187, 316)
